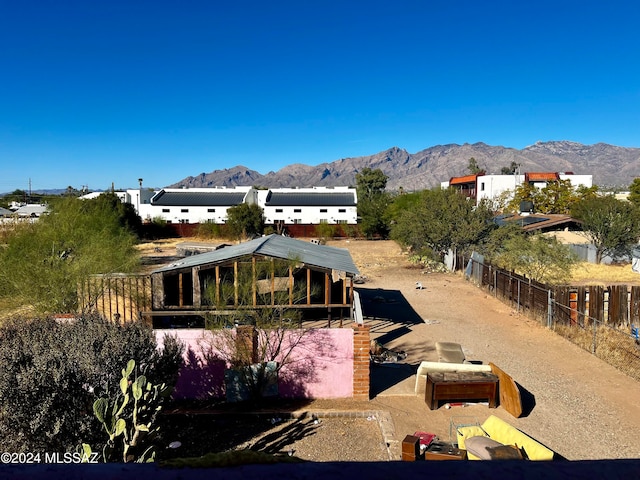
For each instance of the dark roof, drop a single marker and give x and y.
(275, 246)
(189, 198)
(310, 199)
(537, 221)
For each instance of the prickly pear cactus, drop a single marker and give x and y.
(129, 417)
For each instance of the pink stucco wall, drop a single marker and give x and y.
(318, 365)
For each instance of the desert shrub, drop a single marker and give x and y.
(209, 230)
(325, 231)
(53, 372)
(44, 262)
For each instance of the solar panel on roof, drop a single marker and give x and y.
(524, 221)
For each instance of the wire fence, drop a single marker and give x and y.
(602, 320)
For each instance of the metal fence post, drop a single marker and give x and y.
(549, 309)
(495, 283)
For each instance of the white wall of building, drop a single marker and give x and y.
(309, 214)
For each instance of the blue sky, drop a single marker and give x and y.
(100, 92)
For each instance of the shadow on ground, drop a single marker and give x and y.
(390, 317)
(203, 429)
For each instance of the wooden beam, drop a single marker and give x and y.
(180, 302)
(308, 286)
(217, 284)
(254, 286)
(344, 289)
(197, 292)
(273, 283)
(290, 285)
(235, 283)
(327, 297)
(327, 289)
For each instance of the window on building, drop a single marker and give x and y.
(342, 210)
(278, 210)
(323, 210)
(341, 221)
(324, 220)
(482, 186)
(211, 210)
(297, 220)
(165, 210)
(297, 210)
(184, 210)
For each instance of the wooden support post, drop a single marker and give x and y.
(273, 283)
(327, 297)
(180, 300)
(217, 284)
(290, 285)
(254, 286)
(308, 287)
(235, 283)
(195, 281)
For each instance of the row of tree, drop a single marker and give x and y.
(433, 222)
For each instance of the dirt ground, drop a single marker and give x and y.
(575, 404)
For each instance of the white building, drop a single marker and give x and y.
(281, 206)
(309, 206)
(491, 187)
(193, 205)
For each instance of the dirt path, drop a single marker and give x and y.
(581, 407)
(578, 406)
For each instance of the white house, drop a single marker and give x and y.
(491, 187)
(309, 206)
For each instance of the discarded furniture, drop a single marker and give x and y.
(509, 393)
(427, 367)
(497, 430)
(444, 451)
(450, 352)
(460, 386)
(411, 449)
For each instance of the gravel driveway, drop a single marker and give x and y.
(575, 404)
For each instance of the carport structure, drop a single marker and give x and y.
(267, 272)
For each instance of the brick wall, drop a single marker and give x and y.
(361, 372)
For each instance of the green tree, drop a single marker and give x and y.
(373, 201)
(473, 167)
(613, 226)
(44, 262)
(554, 198)
(511, 169)
(442, 220)
(370, 183)
(538, 257)
(245, 220)
(634, 192)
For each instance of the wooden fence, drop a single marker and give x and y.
(602, 320)
(117, 297)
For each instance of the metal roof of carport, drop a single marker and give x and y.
(275, 246)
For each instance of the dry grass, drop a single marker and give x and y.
(615, 347)
(591, 274)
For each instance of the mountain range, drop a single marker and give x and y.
(610, 165)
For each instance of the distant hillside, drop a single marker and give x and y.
(611, 166)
